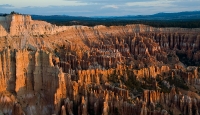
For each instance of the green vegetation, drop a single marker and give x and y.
(13, 12)
(178, 82)
(148, 83)
(171, 112)
(3, 14)
(164, 88)
(158, 105)
(132, 83)
(189, 62)
(113, 22)
(116, 112)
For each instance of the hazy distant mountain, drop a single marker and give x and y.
(159, 16)
(166, 16)
(181, 19)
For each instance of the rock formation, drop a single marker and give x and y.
(17, 25)
(78, 70)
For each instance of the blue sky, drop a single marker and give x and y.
(97, 7)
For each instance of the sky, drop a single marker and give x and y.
(97, 7)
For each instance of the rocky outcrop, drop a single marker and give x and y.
(23, 25)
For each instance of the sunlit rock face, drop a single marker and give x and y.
(79, 70)
(17, 25)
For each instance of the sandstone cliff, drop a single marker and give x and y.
(17, 25)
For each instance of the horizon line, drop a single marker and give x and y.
(102, 15)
